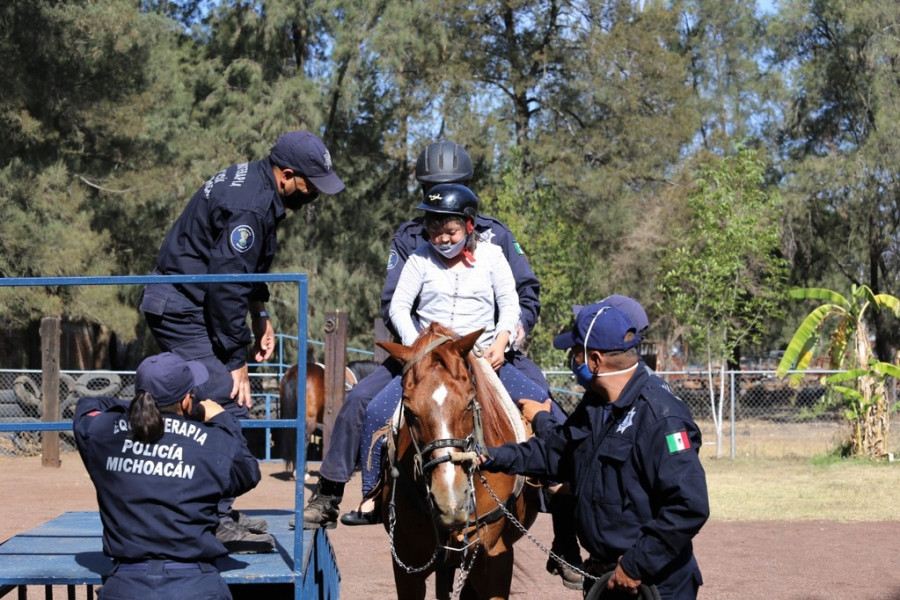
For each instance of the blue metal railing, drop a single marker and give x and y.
(299, 423)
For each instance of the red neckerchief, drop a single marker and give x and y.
(470, 227)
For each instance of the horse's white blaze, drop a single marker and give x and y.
(440, 394)
(448, 469)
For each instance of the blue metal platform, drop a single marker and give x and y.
(68, 551)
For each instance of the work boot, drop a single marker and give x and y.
(240, 540)
(254, 525)
(322, 511)
(570, 578)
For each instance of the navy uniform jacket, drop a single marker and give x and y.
(640, 488)
(412, 234)
(159, 500)
(227, 227)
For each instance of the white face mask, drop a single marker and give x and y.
(450, 250)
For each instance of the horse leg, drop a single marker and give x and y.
(491, 577)
(410, 586)
(315, 401)
(443, 582)
(287, 401)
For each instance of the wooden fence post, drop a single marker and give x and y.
(335, 369)
(50, 341)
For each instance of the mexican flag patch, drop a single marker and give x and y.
(678, 442)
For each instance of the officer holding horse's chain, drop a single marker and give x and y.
(630, 452)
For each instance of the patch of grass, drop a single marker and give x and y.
(820, 488)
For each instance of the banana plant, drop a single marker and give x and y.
(861, 384)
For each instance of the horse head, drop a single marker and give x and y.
(441, 418)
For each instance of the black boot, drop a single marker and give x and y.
(324, 505)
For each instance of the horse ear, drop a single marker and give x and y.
(464, 344)
(398, 351)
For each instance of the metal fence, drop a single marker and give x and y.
(754, 394)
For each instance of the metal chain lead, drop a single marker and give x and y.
(512, 518)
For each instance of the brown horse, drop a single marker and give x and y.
(315, 402)
(439, 514)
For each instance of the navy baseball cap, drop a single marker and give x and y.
(306, 154)
(167, 377)
(604, 326)
(632, 309)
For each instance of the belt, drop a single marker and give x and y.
(166, 564)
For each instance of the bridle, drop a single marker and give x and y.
(469, 449)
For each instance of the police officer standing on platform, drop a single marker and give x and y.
(229, 226)
(630, 452)
(158, 473)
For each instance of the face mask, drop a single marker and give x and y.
(298, 199)
(582, 374)
(450, 250)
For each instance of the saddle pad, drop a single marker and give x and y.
(484, 370)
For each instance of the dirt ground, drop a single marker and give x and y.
(810, 560)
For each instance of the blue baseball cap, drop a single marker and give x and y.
(306, 154)
(632, 309)
(167, 377)
(599, 326)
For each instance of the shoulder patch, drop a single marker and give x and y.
(678, 442)
(518, 248)
(393, 259)
(242, 238)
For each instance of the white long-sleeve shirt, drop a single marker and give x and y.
(461, 299)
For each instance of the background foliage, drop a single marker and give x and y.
(586, 120)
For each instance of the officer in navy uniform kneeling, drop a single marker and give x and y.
(160, 465)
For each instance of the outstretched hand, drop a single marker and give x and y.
(530, 408)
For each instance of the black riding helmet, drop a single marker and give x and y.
(444, 162)
(451, 199)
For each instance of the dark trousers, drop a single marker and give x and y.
(179, 327)
(341, 458)
(163, 580)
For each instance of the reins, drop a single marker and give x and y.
(469, 449)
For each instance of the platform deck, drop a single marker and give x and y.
(68, 550)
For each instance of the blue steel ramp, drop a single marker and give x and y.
(68, 551)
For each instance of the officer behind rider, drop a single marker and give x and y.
(439, 162)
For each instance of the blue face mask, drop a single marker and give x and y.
(450, 250)
(584, 377)
(582, 373)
